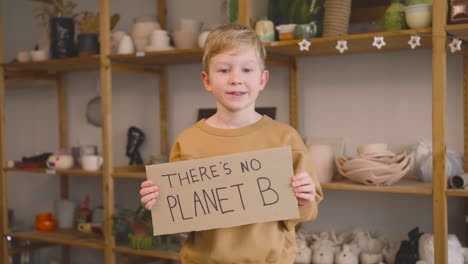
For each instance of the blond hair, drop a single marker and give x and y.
(232, 36)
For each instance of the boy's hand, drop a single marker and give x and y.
(149, 192)
(304, 188)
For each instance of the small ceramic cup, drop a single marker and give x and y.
(91, 162)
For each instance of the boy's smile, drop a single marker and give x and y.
(235, 80)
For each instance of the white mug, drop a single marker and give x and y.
(91, 162)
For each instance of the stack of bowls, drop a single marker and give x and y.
(374, 165)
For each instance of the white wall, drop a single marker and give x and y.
(380, 97)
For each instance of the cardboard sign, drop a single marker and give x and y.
(223, 191)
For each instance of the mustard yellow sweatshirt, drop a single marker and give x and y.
(270, 242)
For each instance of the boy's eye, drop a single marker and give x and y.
(248, 70)
(224, 70)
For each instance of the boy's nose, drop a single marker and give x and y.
(234, 78)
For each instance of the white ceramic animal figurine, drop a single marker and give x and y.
(372, 244)
(323, 255)
(367, 258)
(324, 248)
(305, 253)
(456, 253)
(346, 256)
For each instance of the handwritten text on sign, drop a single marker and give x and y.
(223, 191)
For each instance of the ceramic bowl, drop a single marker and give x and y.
(38, 55)
(372, 148)
(185, 39)
(419, 16)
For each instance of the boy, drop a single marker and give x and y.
(234, 72)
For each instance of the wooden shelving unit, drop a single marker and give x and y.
(282, 53)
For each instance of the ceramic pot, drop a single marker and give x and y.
(141, 31)
(305, 31)
(45, 222)
(65, 210)
(419, 16)
(88, 44)
(62, 33)
(322, 160)
(265, 30)
(202, 38)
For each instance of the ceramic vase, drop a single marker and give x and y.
(322, 160)
(62, 33)
(141, 31)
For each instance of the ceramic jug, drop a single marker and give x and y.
(265, 30)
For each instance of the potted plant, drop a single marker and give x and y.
(58, 18)
(138, 225)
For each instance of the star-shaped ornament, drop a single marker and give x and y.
(455, 45)
(304, 45)
(342, 45)
(378, 42)
(415, 41)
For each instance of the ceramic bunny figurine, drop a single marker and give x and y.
(323, 255)
(367, 258)
(305, 253)
(456, 253)
(346, 256)
(324, 248)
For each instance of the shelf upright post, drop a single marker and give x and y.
(465, 126)
(163, 88)
(244, 12)
(163, 110)
(106, 108)
(162, 13)
(63, 143)
(439, 82)
(3, 176)
(293, 94)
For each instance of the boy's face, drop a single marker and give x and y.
(235, 80)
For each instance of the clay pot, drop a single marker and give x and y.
(322, 160)
(45, 222)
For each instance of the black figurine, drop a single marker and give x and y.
(408, 252)
(135, 137)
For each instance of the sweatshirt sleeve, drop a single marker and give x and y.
(301, 163)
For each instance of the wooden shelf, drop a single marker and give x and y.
(402, 186)
(77, 172)
(69, 237)
(177, 56)
(134, 172)
(358, 43)
(15, 79)
(74, 64)
(156, 253)
(460, 31)
(458, 193)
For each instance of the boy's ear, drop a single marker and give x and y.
(206, 81)
(264, 79)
